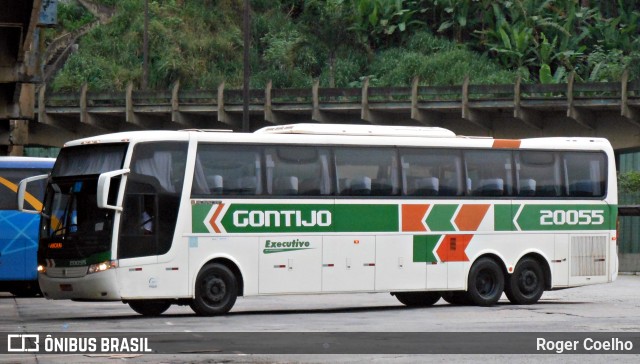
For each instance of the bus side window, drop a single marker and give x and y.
(538, 174)
(490, 172)
(431, 172)
(586, 173)
(295, 170)
(225, 170)
(367, 171)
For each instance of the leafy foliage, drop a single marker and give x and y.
(629, 182)
(340, 42)
(72, 16)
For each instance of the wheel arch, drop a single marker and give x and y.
(493, 256)
(228, 262)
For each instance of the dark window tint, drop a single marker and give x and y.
(89, 159)
(367, 171)
(293, 170)
(431, 172)
(539, 174)
(488, 172)
(586, 174)
(152, 199)
(226, 170)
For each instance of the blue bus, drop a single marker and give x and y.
(19, 230)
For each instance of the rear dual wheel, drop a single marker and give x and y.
(526, 285)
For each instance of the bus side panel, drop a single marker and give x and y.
(400, 266)
(290, 264)
(18, 245)
(348, 263)
(560, 264)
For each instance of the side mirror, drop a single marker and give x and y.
(104, 183)
(23, 194)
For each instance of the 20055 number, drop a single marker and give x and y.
(571, 217)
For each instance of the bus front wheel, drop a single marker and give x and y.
(418, 299)
(486, 282)
(216, 290)
(526, 284)
(149, 307)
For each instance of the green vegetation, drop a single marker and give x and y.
(339, 42)
(629, 182)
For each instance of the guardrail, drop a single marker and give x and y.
(423, 103)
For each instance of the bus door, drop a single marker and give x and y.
(150, 264)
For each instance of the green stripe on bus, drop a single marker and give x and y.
(440, 217)
(546, 217)
(366, 218)
(503, 216)
(423, 248)
(327, 218)
(198, 214)
(289, 218)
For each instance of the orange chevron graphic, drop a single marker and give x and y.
(413, 217)
(215, 217)
(452, 248)
(470, 216)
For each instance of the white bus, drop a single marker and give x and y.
(155, 218)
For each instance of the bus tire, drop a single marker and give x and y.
(216, 290)
(149, 307)
(29, 289)
(418, 299)
(458, 298)
(486, 282)
(526, 285)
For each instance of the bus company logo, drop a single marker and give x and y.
(297, 218)
(285, 246)
(23, 343)
(232, 218)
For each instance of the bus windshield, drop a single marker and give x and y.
(72, 225)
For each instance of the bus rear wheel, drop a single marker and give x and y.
(526, 285)
(486, 282)
(149, 307)
(216, 290)
(418, 299)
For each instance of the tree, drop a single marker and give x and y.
(326, 28)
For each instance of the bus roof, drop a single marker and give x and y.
(359, 130)
(342, 134)
(26, 162)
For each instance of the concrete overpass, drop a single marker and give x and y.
(609, 109)
(20, 21)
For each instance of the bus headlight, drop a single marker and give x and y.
(42, 268)
(101, 267)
